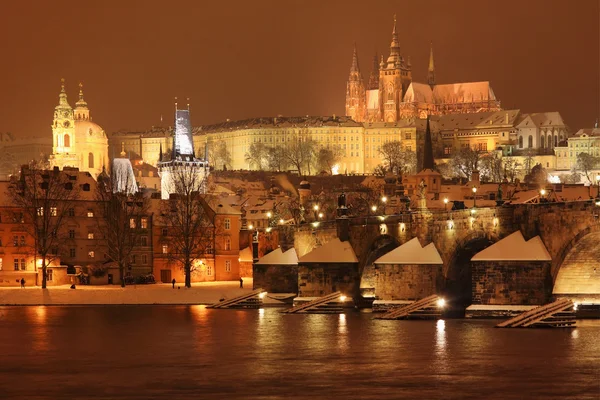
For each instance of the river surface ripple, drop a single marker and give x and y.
(177, 352)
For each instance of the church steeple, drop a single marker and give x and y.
(82, 111)
(62, 97)
(355, 91)
(394, 59)
(374, 77)
(431, 69)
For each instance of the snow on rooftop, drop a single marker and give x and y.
(279, 257)
(514, 247)
(411, 252)
(246, 254)
(334, 251)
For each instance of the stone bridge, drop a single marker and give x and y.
(569, 230)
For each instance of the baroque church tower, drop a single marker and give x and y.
(394, 78)
(355, 92)
(76, 140)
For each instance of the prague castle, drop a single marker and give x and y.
(76, 140)
(391, 94)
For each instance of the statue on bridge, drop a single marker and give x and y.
(422, 195)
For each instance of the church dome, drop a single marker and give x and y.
(85, 130)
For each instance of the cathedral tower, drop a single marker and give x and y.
(394, 78)
(82, 112)
(431, 69)
(63, 132)
(355, 92)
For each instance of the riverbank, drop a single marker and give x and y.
(199, 293)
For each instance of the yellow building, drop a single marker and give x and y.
(76, 140)
(584, 141)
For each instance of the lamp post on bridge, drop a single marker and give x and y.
(474, 197)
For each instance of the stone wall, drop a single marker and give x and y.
(316, 280)
(275, 278)
(402, 282)
(511, 282)
(246, 269)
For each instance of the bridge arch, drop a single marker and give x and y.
(379, 246)
(457, 270)
(577, 272)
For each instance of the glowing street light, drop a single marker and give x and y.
(373, 208)
(262, 295)
(269, 215)
(474, 197)
(316, 207)
(250, 226)
(281, 221)
(384, 199)
(320, 215)
(543, 192)
(445, 203)
(342, 298)
(441, 303)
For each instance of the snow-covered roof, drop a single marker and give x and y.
(279, 257)
(463, 92)
(418, 92)
(412, 252)
(334, 251)
(246, 254)
(514, 247)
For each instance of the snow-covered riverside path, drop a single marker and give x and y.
(199, 293)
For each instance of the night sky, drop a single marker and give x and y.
(239, 59)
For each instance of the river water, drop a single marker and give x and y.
(180, 352)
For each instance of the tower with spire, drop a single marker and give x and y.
(394, 78)
(182, 156)
(431, 69)
(355, 91)
(76, 140)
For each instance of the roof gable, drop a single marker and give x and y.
(279, 257)
(514, 247)
(334, 251)
(412, 252)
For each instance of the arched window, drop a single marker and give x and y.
(520, 142)
(542, 142)
(390, 92)
(555, 140)
(530, 142)
(67, 141)
(91, 160)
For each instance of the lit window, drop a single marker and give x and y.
(132, 223)
(40, 211)
(49, 275)
(227, 223)
(22, 241)
(227, 244)
(15, 240)
(90, 235)
(144, 223)
(165, 249)
(90, 214)
(16, 264)
(53, 211)
(208, 270)
(227, 265)
(91, 254)
(23, 265)
(0, 264)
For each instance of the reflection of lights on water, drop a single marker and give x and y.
(440, 326)
(575, 333)
(200, 313)
(40, 313)
(440, 337)
(261, 312)
(342, 319)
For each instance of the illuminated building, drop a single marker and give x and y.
(76, 140)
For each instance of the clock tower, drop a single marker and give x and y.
(63, 133)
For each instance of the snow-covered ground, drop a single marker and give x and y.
(199, 293)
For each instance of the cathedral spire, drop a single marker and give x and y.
(81, 108)
(81, 102)
(355, 74)
(431, 69)
(374, 77)
(394, 57)
(428, 162)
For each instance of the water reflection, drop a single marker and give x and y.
(440, 346)
(342, 333)
(39, 332)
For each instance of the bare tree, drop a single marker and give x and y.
(511, 168)
(190, 225)
(219, 154)
(300, 151)
(491, 166)
(120, 222)
(529, 160)
(328, 158)
(465, 161)
(398, 158)
(256, 155)
(46, 198)
(276, 159)
(586, 163)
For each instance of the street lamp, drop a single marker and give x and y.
(320, 215)
(474, 197)
(316, 207)
(373, 208)
(384, 199)
(445, 203)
